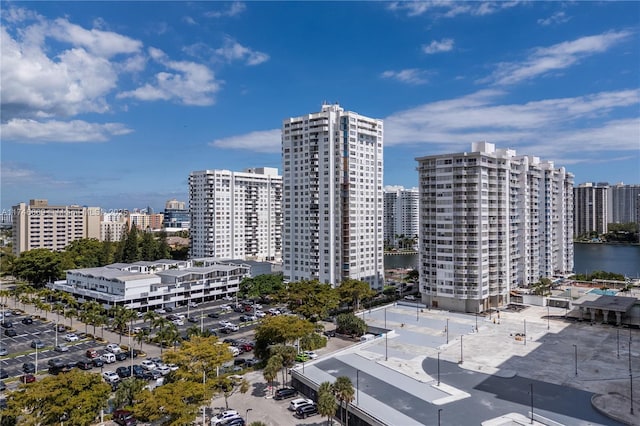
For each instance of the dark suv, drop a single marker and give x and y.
(29, 367)
(284, 393)
(124, 418)
(306, 410)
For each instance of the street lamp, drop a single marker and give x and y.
(246, 415)
(531, 393)
(575, 347)
(461, 358)
(439, 411)
(476, 321)
(447, 329)
(548, 315)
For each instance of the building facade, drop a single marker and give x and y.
(333, 197)
(176, 215)
(623, 203)
(113, 226)
(39, 225)
(151, 285)
(490, 221)
(401, 217)
(236, 215)
(591, 214)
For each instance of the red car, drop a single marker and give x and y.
(92, 353)
(28, 378)
(245, 347)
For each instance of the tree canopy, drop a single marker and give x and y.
(279, 329)
(311, 299)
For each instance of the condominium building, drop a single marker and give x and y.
(623, 203)
(236, 215)
(176, 215)
(113, 226)
(333, 197)
(591, 214)
(150, 285)
(401, 217)
(490, 221)
(39, 225)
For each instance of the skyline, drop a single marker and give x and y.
(114, 104)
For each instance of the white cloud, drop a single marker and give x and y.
(232, 51)
(410, 76)
(31, 131)
(444, 45)
(550, 127)
(268, 141)
(556, 18)
(188, 82)
(234, 9)
(18, 174)
(450, 9)
(543, 60)
(101, 43)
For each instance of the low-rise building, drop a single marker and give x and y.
(150, 285)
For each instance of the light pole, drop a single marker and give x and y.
(618, 333)
(461, 358)
(476, 321)
(548, 313)
(631, 391)
(246, 415)
(447, 329)
(439, 411)
(531, 393)
(386, 346)
(357, 385)
(438, 368)
(385, 317)
(525, 332)
(575, 347)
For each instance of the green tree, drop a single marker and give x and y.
(278, 330)
(270, 371)
(350, 324)
(131, 247)
(261, 285)
(229, 386)
(92, 313)
(77, 394)
(326, 401)
(163, 251)
(39, 266)
(127, 392)
(353, 291)
(198, 358)
(85, 253)
(122, 318)
(287, 354)
(311, 299)
(148, 247)
(174, 404)
(344, 392)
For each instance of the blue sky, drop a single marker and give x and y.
(112, 104)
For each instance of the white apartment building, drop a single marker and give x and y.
(39, 225)
(401, 217)
(490, 221)
(623, 203)
(333, 197)
(113, 226)
(236, 215)
(151, 285)
(591, 214)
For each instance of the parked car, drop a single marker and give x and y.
(284, 393)
(148, 364)
(3, 351)
(37, 344)
(298, 402)
(178, 322)
(329, 333)
(114, 348)
(3, 374)
(92, 353)
(306, 410)
(152, 375)
(28, 378)
(71, 337)
(61, 348)
(168, 309)
(60, 327)
(84, 364)
(108, 358)
(110, 376)
(138, 371)
(3, 386)
(124, 418)
(160, 311)
(192, 319)
(10, 332)
(97, 362)
(6, 324)
(193, 305)
(29, 367)
(123, 372)
(136, 330)
(302, 357)
(235, 421)
(213, 315)
(27, 320)
(121, 356)
(311, 354)
(223, 417)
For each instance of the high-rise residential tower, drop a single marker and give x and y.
(401, 217)
(236, 215)
(591, 215)
(333, 197)
(39, 225)
(622, 203)
(490, 221)
(176, 215)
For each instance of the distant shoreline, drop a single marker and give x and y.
(605, 243)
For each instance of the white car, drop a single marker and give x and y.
(226, 308)
(160, 311)
(108, 358)
(148, 365)
(136, 330)
(61, 348)
(163, 369)
(224, 323)
(311, 354)
(231, 326)
(110, 376)
(229, 298)
(260, 314)
(114, 348)
(178, 322)
(298, 402)
(224, 416)
(193, 305)
(71, 337)
(274, 311)
(173, 367)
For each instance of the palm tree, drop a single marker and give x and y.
(142, 336)
(326, 401)
(70, 314)
(121, 319)
(343, 390)
(168, 333)
(92, 311)
(270, 371)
